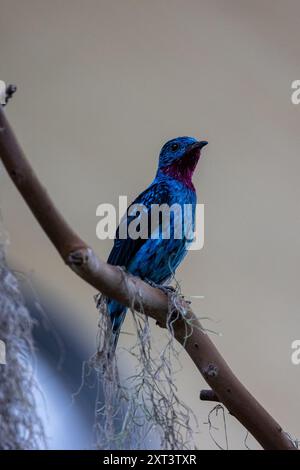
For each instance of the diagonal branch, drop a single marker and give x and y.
(114, 282)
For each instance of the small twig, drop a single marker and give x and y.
(10, 90)
(209, 395)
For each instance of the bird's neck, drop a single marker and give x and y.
(182, 170)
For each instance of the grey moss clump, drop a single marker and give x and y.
(20, 425)
(144, 410)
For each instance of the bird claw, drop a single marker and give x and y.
(165, 289)
(168, 289)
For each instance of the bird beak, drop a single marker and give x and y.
(198, 145)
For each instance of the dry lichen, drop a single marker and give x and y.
(144, 407)
(20, 425)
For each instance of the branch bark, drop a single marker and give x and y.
(115, 283)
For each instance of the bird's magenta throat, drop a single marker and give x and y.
(182, 169)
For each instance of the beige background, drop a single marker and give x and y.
(102, 84)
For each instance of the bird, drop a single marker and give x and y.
(155, 258)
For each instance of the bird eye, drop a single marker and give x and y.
(174, 147)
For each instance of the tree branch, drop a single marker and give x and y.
(126, 289)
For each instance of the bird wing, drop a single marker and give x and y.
(125, 249)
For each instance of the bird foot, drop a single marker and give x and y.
(165, 289)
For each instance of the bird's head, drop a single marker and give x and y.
(178, 157)
(181, 148)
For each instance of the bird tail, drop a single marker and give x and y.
(117, 314)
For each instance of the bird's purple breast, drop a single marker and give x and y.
(182, 169)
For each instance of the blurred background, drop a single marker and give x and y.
(101, 86)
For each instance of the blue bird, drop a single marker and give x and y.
(155, 259)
